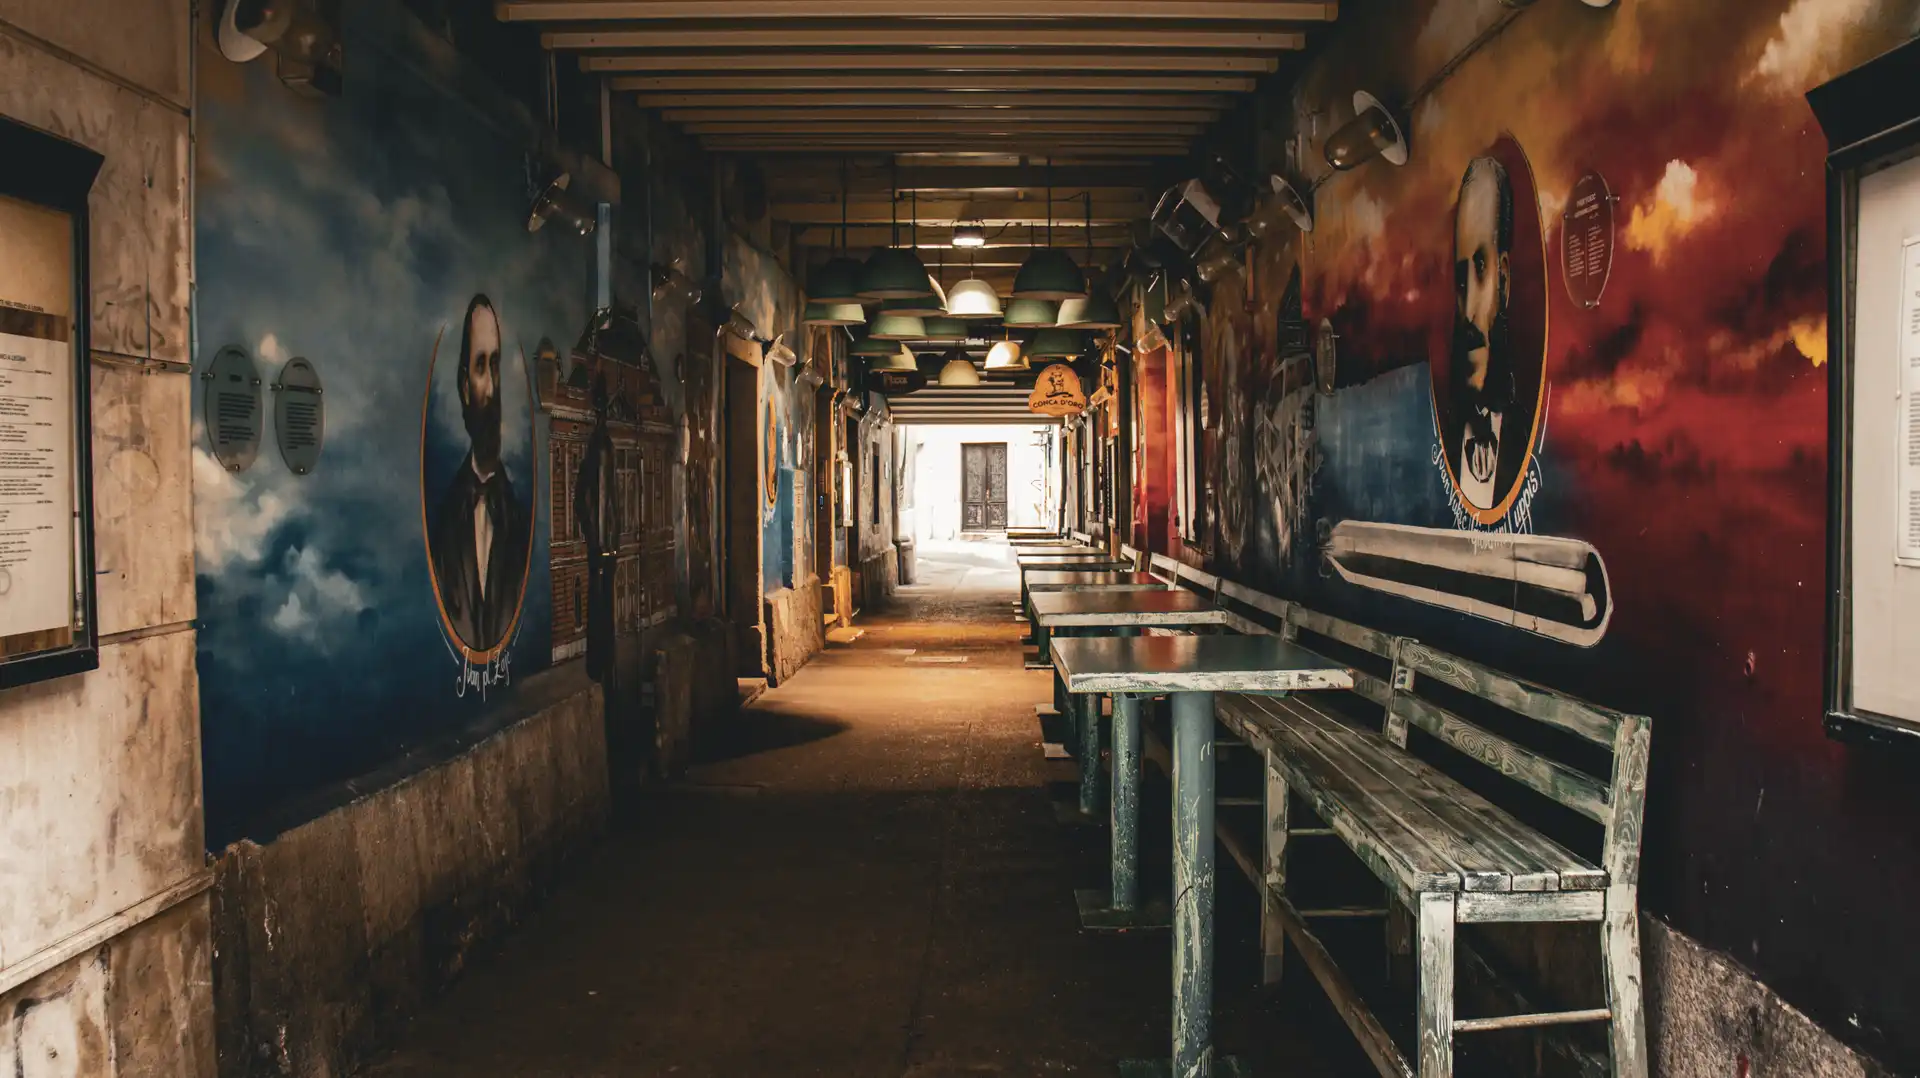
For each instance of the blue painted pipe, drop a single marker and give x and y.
(1126, 802)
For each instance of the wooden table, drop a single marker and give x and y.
(1191, 669)
(1115, 613)
(1043, 580)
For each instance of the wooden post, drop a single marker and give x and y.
(1273, 883)
(1436, 984)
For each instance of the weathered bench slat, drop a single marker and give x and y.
(1259, 730)
(1259, 600)
(1543, 705)
(1535, 862)
(1380, 838)
(1582, 793)
(1347, 753)
(1346, 632)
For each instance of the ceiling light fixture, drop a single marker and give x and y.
(1096, 310)
(969, 235)
(839, 280)
(893, 272)
(1049, 273)
(833, 314)
(1005, 359)
(1032, 314)
(959, 370)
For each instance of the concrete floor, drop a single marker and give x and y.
(863, 878)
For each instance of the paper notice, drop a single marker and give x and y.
(36, 480)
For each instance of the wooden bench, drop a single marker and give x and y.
(1446, 854)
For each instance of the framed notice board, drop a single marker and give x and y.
(1872, 122)
(47, 620)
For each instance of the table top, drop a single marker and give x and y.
(1056, 548)
(1072, 579)
(1123, 609)
(1045, 557)
(1156, 664)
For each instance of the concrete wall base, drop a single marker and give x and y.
(798, 627)
(879, 575)
(693, 683)
(333, 934)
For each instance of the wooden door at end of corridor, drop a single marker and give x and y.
(983, 486)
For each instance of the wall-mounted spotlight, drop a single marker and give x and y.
(1291, 201)
(306, 47)
(970, 235)
(556, 202)
(1187, 214)
(740, 325)
(671, 281)
(781, 353)
(1373, 132)
(1183, 301)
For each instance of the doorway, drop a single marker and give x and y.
(745, 439)
(983, 486)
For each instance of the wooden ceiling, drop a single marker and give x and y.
(1126, 80)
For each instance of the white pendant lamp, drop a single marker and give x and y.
(959, 370)
(1005, 359)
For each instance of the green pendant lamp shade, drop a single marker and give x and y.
(836, 282)
(945, 330)
(1096, 311)
(931, 305)
(894, 273)
(888, 326)
(1032, 314)
(1056, 344)
(1049, 274)
(820, 313)
(870, 347)
(973, 300)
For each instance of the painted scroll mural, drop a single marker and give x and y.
(1625, 498)
(400, 590)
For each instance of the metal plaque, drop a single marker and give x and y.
(232, 408)
(299, 418)
(1326, 358)
(1586, 240)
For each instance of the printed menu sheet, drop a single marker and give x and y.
(36, 480)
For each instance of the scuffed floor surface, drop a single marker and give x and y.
(863, 879)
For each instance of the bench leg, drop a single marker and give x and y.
(1436, 985)
(1273, 934)
(1620, 953)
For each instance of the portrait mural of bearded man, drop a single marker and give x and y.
(1488, 393)
(479, 536)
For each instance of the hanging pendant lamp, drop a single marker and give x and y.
(945, 330)
(1048, 272)
(894, 272)
(959, 370)
(900, 360)
(871, 348)
(888, 326)
(1056, 344)
(820, 313)
(1097, 310)
(1031, 314)
(974, 300)
(1005, 359)
(839, 280)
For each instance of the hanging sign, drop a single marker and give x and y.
(1586, 240)
(299, 421)
(232, 408)
(896, 383)
(1057, 392)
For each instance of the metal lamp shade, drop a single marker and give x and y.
(1032, 314)
(973, 300)
(899, 360)
(1373, 132)
(959, 370)
(1005, 358)
(836, 282)
(1097, 311)
(931, 305)
(894, 273)
(1049, 273)
(945, 330)
(897, 327)
(872, 348)
(833, 314)
(1056, 344)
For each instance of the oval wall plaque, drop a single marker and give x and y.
(231, 408)
(1326, 357)
(1586, 240)
(299, 420)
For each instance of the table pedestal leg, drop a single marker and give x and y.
(1193, 838)
(1092, 775)
(1120, 907)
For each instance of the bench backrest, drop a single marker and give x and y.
(1400, 681)
(1081, 537)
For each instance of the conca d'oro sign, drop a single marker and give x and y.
(1057, 392)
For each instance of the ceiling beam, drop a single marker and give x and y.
(939, 60)
(1011, 126)
(994, 210)
(863, 176)
(655, 38)
(719, 97)
(936, 115)
(955, 84)
(1262, 11)
(938, 236)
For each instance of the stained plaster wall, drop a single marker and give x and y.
(877, 560)
(1682, 436)
(103, 918)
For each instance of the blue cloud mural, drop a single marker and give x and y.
(356, 232)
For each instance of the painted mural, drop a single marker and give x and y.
(1623, 498)
(391, 595)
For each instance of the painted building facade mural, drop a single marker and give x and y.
(400, 590)
(1595, 458)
